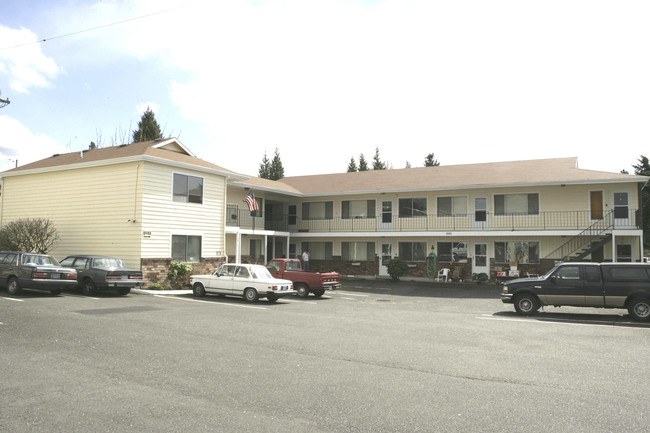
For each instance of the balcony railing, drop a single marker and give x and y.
(544, 221)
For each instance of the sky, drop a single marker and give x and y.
(322, 82)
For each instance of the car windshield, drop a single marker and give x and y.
(107, 262)
(293, 265)
(39, 260)
(260, 273)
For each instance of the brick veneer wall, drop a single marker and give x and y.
(155, 270)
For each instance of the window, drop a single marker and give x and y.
(412, 207)
(450, 206)
(521, 204)
(258, 213)
(322, 210)
(188, 189)
(626, 273)
(318, 250)
(186, 248)
(358, 209)
(623, 253)
(620, 205)
(449, 252)
(568, 273)
(412, 251)
(519, 251)
(361, 251)
(255, 251)
(292, 211)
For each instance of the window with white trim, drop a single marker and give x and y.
(358, 209)
(518, 251)
(186, 248)
(517, 204)
(413, 251)
(451, 206)
(318, 210)
(318, 250)
(361, 251)
(187, 189)
(412, 207)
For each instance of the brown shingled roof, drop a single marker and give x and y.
(168, 149)
(534, 172)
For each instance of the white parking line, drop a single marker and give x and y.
(211, 302)
(296, 301)
(12, 299)
(78, 296)
(350, 294)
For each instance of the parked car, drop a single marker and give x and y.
(601, 285)
(103, 273)
(34, 271)
(248, 281)
(304, 281)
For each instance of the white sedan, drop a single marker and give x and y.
(249, 281)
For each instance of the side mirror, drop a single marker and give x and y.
(553, 279)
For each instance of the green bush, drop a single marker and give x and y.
(179, 274)
(159, 286)
(397, 268)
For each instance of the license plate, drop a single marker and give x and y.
(55, 276)
(284, 288)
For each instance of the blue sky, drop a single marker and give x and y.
(323, 81)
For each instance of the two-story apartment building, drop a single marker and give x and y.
(154, 202)
(147, 203)
(479, 218)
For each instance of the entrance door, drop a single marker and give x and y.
(480, 220)
(481, 264)
(386, 222)
(386, 255)
(596, 205)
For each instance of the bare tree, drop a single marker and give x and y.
(30, 235)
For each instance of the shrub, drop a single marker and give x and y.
(159, 286)
(179, 274)
(30, 235)
(397, 268)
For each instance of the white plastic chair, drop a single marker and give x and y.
(443, 275)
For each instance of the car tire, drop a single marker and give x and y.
(639, 309)
(88, 287)
(251, 295)
(526, 304)
(198, 290)
(13, 286)
(272, 298)
(123, 291)
(302, 290)
(318, 293)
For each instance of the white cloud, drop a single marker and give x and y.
(25, 67)
(19, 144)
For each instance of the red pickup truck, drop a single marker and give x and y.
(304, 282)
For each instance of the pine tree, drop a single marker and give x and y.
(148, 128)
(363, 165)
(378, 164)
(265, 168)
(352, 166)
(277, 170)
(430, 161)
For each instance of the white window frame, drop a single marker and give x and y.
(187, 197)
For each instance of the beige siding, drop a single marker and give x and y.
(163, 217)
(90, 208)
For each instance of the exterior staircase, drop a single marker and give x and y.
(586, 242)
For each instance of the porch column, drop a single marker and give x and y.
(266, 247)
(238, 248)
(288, 240)
(614, 258)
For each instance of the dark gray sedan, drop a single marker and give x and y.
(20, 270)
(103, 273)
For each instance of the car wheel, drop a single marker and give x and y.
(526, 304)
(639, 309)
(13, 286)
(272, 298)
(56, 292)
(251, 295)
(302, 289)
(318, 293)
(88, 287)
(124, 291)
(198, 290)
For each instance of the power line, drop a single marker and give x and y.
(98, 27)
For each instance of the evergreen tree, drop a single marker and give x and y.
(430, 161)
(378, 164)
(277, 170)
(148, 128)
(92, 146)
(408, 165)
(363, 164)
(643, 169)
(352, 166)
(265, 168)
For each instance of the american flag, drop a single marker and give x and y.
(251, 202)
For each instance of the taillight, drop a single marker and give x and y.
(70, 276)
(40, 274)
(135, 277)
(113, 277)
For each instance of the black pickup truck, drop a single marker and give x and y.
(602, 285)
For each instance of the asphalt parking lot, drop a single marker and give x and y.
(376, 356)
